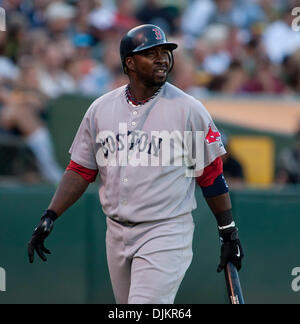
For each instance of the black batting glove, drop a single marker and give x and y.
(231, 249)
(41, 232)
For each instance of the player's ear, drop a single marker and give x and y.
(130, 64)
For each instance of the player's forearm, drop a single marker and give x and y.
(221, 207)
(219, 203)
(70, 189)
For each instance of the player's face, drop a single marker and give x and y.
(152, 66)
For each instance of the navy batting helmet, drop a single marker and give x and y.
(141, 38)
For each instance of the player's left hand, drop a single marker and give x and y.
(231, 249)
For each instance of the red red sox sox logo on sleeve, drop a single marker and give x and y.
(212, 136)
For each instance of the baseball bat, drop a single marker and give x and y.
(234, 288)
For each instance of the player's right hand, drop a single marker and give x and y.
(41, 232)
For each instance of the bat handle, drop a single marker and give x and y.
(233, 285)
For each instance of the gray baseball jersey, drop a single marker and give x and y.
(143, 192)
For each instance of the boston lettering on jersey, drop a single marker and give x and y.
(137, 140)
(157, 148)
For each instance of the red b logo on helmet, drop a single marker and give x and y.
(158, 34)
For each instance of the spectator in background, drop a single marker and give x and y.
(272, 8)
(124, 18)
(101, 18)
(36, 13)
(19, 115)
(83, 53)
(233, 81)
(230, 13)
(81, 21)
(119, 80)
(108, 22)
(28, 82)
(264, 79)
(9, 71)
(218, 58)
(291, 72)
(153, 12)
(195, 19)
(53, 79)
(252, 72)
(100, 78)
(233, 169)
(280, 32)
(289, 163)
(12, 5)
(241, 14)
(34, 46)
(16, 32)
(252, 52)
(185, 75)
(59, 16)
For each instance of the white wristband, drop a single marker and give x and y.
(232, 224)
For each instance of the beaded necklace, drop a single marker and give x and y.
(134, 102)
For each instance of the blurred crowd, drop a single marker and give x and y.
(55, 47)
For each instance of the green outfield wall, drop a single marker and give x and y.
(77, 272)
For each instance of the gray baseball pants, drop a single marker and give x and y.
(148, 261)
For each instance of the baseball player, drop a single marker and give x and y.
(148, 206)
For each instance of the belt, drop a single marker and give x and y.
(124, 223)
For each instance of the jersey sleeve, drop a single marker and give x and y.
(210, 173)
(83, 148)
(87, 174)
(202, 121)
